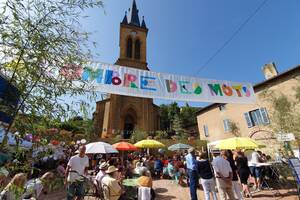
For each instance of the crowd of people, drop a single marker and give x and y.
(227, 172)
(225, 176)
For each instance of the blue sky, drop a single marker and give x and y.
(184, 34)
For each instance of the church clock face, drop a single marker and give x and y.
(133, 33)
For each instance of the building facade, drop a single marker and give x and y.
(249, 120)
(123, 114)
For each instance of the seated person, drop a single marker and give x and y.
(61, 170)
(35, 187)
(110, 185)
(103, 167)
(145, 179)
(15, 188)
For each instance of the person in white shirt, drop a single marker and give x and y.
(223, 173)
(103, 167)
(75, 172)
(255, 171)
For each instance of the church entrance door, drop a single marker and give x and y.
(129, 124)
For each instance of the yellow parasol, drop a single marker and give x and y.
(237, 143)
(149, 143)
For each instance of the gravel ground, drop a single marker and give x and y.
(168, 190)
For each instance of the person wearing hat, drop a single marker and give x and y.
(103, 167)
(110, 185)
(192, 170)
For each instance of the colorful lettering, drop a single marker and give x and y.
(237, 88)
(171, 86)
(90, 74)
(147, 81)
(215, 89)
(197, 88)
(129, 80)
(183, 87)
(227, 90)
(247, 92)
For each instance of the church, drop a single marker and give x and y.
(119, 114)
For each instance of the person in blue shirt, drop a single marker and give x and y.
(192, 170)
(158, 167)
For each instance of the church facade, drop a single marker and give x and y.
(124, 114)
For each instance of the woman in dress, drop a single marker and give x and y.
(243, 171)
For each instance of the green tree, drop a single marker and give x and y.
(138, 135)
(234, 128)
(177, 125)
(42, 48)
(188, 115)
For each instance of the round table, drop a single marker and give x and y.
(130, 187)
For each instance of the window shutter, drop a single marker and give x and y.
(248, 120)
(205, 130)
(264, 115)
(226, 125)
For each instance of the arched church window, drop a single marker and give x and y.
(129, 48)
(137, 50)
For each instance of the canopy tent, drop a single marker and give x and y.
(234, 143)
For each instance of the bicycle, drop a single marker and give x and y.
(90, 189)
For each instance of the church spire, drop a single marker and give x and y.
(144, 23)
(134, 16)
(125, 21)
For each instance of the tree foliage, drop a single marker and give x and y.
(174, 119)
(234, 129)
(285, 113)
(41, 47)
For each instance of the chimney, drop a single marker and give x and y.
(269, 70)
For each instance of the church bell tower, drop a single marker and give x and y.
(133, 40)
(124, 114)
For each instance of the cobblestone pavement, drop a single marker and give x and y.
(168, 190)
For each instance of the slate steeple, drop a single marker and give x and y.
(125, 21)
(134, 15)
(144, 23)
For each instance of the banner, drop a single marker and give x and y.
(128, 81)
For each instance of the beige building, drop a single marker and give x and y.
(252, 120)
(124, 114)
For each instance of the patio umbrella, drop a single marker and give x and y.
(237, 143)
(100, 147)
(178, 147)
(149, 144)
(125, 146)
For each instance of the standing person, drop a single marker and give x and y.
(223, 173)
(158, 167)
(76, 169)
(236, 187)
(192, 170)
(207, 177)
(243, 171)
(110, 184)
(255, 171)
